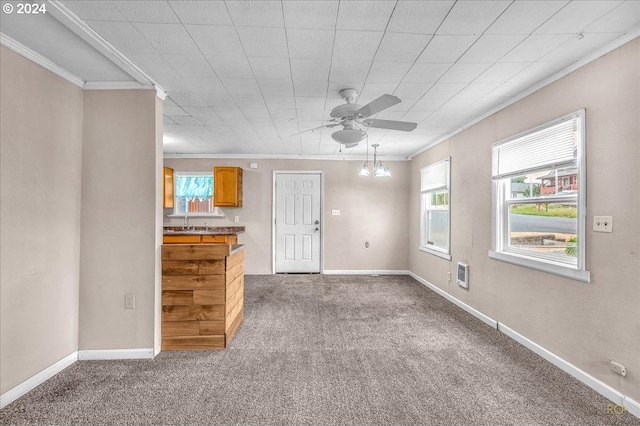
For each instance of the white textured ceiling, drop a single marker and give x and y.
(243, 76)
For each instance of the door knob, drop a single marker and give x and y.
(317, 228)
(317, 222)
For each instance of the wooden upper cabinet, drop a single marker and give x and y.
(167, 187)
(227, 186)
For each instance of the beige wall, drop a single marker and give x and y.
(41, 136)
(81, 219)
(372, 209)
(119, 241)
(157, 318)
(101, 240)
(586, 324)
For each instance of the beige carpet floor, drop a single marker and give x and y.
(328, 350)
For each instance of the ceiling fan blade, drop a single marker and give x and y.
(377, 105)
(316, 128)
(390, 124)
(312, 119)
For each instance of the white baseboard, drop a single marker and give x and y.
(365, 272)
(476, 313)
(31, 383)
(109, 354)
(630, 405)
(81, 355)
(602, 388)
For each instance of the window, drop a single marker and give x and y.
(542, 225)
(194, 194)
(434, 211)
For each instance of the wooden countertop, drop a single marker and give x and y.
(201, 230)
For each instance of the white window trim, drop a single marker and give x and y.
(498, 252)
(436, 251)
(217, 211)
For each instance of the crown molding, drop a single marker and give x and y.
(38, 59)
(284, 157)
(86, 33)
(160, 93)
(124, 85)
(45, 63)
(635, 33)
(116, 85)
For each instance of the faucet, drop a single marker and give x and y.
(186, 223)
(206, 226)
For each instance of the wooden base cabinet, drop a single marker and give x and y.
(202, 296)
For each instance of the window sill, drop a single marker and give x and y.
(563, 271)
(216, 213)
(440, 254)
(181, 216)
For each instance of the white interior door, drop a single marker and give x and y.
(297, 222)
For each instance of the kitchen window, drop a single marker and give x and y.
(434, 211)
(543, 227)
(193, 194)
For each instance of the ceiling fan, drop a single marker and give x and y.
(352, 116)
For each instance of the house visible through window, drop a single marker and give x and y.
(539, 198)
(434, 213)
(194, 194)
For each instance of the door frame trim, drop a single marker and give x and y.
(273, 213)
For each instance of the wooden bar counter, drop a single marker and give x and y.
(202, 295)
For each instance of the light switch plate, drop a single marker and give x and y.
(129, 301)
(603, 223)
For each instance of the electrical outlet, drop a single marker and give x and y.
(618, 368)
(129, 301)
(236, 219)
(603, 223)
(335, 212)
(448, 276)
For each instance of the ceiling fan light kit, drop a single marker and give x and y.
(349, 136)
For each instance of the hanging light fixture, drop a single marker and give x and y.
(379, 169)
(364, 171)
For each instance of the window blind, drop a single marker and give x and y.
(194, 186)
(554, 145)
(434, 176)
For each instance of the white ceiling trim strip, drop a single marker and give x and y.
(123, 85)
(75, 24)
(571, 68)
(37, 58)
(285, 157)
(45, 63)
